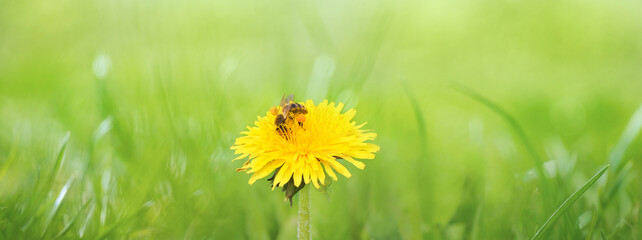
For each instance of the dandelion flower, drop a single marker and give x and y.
(303, 147)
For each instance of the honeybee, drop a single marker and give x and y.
(290, 110)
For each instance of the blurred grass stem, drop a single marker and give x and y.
(521, 135)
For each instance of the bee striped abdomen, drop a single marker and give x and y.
(297, 108)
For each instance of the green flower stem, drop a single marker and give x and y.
(303, 231)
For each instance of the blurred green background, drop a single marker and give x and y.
(153, 94)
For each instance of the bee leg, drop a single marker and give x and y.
(282, 130)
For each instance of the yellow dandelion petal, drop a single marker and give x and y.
(320, 175)
(283, 176)
(340, 168)
(266, 170)
(361, 154)
(242, 156)
(314, 177)
(328, 170)
(306, 175)
(315, 182)
(258, 163)
(356, 163)
(305, 145)
(371, 147)
(297, 176)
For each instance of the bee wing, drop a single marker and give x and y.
(286, 100)
(282, 101)
(289, 99)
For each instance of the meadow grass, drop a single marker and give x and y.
(116, 117)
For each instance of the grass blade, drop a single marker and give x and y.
(124, 220)
(44, 185)
(56, 206)
(617, 183)
(419, 117)
(506, 116)
(621, 168)
(520, 133)
(567, 203)
(60, 155)
(13, 152)
(628, 136)
(616, 157)
(420, 171)
(81, 231)
(73, 221)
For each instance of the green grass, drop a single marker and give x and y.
(567, 204)
(116, 118)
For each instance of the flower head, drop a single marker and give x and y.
(299, 150)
